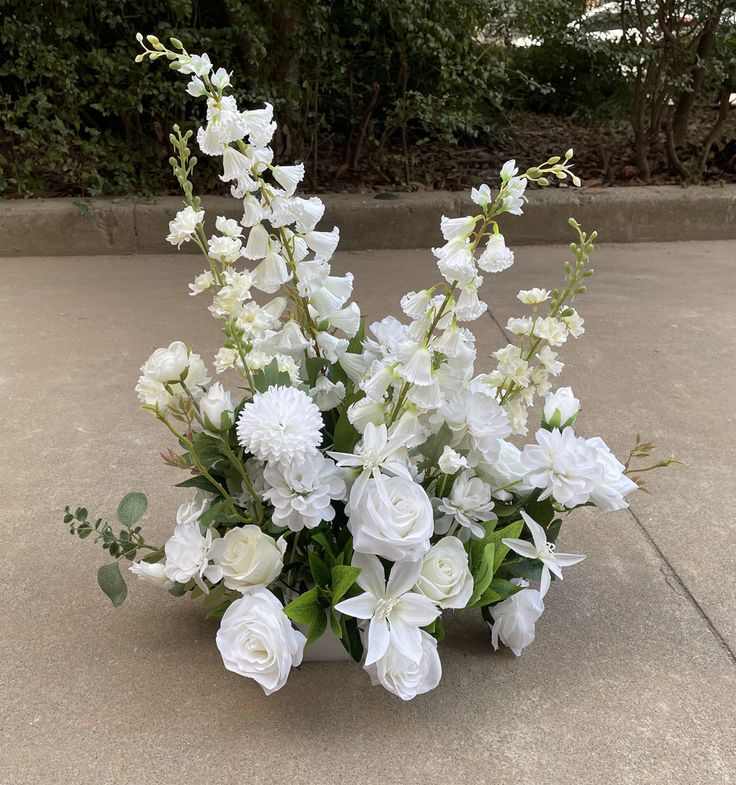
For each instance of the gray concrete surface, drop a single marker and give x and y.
(631, 679)
(77, 227)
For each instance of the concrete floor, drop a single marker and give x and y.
(631, 679)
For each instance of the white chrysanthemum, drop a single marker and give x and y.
(301, 491)
(280, 424)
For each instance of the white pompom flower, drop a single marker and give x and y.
(280, 424)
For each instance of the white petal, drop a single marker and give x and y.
(568, 559)
(361, 607)
(403, 576)
(416, 610)
(372, 577)
(407, 638)
(538, 534)
(544, 584)
(522, 547)
(379, 638)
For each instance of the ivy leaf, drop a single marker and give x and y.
(112, 583)
(131, 508)
(305, 609)
(343, 577)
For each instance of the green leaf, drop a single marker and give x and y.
(178, 589)
(112, 583)
(343, 577)
(433, 447)
(351, 638)
(198, 481)
(320, 571)
(314, 366)
(484, 574)
(322, 539)
(317, 627)
(436, 629)
(553, 530)
(542, 512)
(355, 345)
(131, 508)
(270, 376)
(510, 532)
(345, 437)
(304, 609)
(335, 625)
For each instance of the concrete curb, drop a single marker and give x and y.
(75, 227)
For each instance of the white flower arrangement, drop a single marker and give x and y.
(365, 482)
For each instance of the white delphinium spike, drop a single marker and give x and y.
(542, 550)
(333, 293)
(455, 261)
(253, 211)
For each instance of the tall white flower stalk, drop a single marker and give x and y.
(356, 482)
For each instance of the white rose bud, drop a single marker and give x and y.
(403, 676)
(514, 618)
(256, 640)
(451, 461)
(167, 365)
(393, 519)
(561, 408)
(216, 408)
(248, 558)
(445, 578)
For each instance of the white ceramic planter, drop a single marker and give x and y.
(328, 648)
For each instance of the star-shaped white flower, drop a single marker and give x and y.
(377, 453)
(542, 550)
(396, 613)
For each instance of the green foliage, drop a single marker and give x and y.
(112, 583)
(77, 116)
(123, 545)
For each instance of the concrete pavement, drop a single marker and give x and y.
(632, 676)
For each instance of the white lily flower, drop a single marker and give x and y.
(395, 613)
(542, 550)
(377, 452)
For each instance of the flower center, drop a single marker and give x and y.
(384, 606)
(547, 551)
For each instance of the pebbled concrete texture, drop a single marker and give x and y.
(631, 678)
(80, 227)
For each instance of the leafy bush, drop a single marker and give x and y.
(76, 116)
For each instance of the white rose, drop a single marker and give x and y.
(393, 519)
(151, 573)
(248, 557)
(167, 366)
(216, 408)
(514, 618)
(445, 578)
(256, 640)
(533, 296)
(404, 677)
(561, 408)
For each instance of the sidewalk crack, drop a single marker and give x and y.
(673, 579)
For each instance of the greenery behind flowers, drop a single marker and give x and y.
(78, 117)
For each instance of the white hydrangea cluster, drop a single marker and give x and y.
(363, 483)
